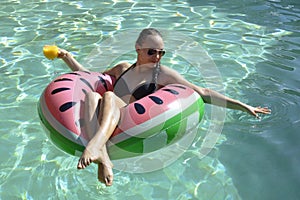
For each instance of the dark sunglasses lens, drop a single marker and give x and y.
(153, 51)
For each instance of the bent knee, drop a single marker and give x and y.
(93, 96)
(109, 94)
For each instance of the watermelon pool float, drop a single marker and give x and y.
(170, 111)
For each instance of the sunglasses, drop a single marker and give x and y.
(152, 52)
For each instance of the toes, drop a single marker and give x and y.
(108, 175)
(105, 174)
(109, 180)
(83, 163)
(80, 165)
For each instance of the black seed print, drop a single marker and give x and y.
(59, 90)
(87, 72)
(87, 83)
(66, 106)
(74, 73)
(171, 91)
(139, 108)
(63, 79)
(103, 82)
(180, 86)
(156, 100)
(84, 91)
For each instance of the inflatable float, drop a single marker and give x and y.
(167, 114)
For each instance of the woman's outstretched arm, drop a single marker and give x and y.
(215, 98)
(72, 63)
(169, 76)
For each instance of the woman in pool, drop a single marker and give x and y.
(102, 113)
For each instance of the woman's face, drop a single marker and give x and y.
(151, 50)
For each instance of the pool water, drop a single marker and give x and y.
(255, 47)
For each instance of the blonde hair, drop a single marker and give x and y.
(145, 33)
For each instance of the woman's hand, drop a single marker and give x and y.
(256, 110)
(70, 60)
(62, 53)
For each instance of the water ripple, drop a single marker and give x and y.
(254, 45)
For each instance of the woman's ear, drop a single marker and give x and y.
(137, 47)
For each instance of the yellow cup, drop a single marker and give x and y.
(50, 51)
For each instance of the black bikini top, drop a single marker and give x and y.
(121, 88)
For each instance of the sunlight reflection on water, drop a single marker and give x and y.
(246, 53)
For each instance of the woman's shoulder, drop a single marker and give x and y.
(123, 65)
(167, 71)
(118, 69)
(170, 76)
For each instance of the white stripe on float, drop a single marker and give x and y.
(180, 104)
(58, 126)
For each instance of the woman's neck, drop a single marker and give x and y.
(145, 65)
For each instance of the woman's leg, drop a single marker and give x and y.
(99, 130)
(91, 109)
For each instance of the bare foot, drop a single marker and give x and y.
(105, 174)
(88, 156)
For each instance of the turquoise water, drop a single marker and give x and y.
(255, 46)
